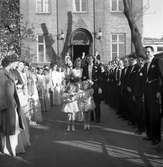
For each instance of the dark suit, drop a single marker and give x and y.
(96, 71)
(123, 94)
(118, 88)
(138, 92)
(152, 102)
(114, 88)
(130, 81)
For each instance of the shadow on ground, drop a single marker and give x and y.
(108, 144)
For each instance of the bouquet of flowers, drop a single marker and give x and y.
(71, 93)
(86, 100)
(74, 79)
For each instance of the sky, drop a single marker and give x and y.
(153, 19)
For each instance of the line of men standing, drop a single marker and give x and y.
(136, 89)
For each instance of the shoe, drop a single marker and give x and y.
(147, 138)
(68, 129)
(73, 128)
(138, 132)
(129, 123)
(88, 127)
(155, 142)
(85, 127)
(5, 151)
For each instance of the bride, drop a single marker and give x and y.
(75, 76)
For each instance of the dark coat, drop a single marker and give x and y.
(96, 71)
(131, 76)
(139, 86)
(96, 78)
(9, 103)
(152, 102)
(153, 76)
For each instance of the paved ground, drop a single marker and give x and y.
(111, 143)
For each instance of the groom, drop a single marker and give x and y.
(92, 71)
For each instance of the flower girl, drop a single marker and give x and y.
(86, 104)
(70, 107)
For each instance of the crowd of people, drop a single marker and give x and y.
(134, 89)
(26, 92)
(131, 85)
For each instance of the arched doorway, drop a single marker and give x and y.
(81, 43)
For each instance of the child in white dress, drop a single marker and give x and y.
(70, 99)
(86, 104)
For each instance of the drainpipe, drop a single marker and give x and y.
(132, 44)
(57, 28)
(94, 28)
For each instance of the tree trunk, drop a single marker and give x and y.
(135, 34)
(68, 35)
(48, 42)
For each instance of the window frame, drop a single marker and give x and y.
(117, 44)
(80, 6)
(117, 7)
(43, 2)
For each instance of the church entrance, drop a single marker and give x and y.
(80, 50)
(81, 43)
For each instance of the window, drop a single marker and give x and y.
(80, 5)
(116, 5)
(41, 49)
(160, 49)
(118, 45)
(42, 6)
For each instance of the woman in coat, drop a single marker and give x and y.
(10, 119)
